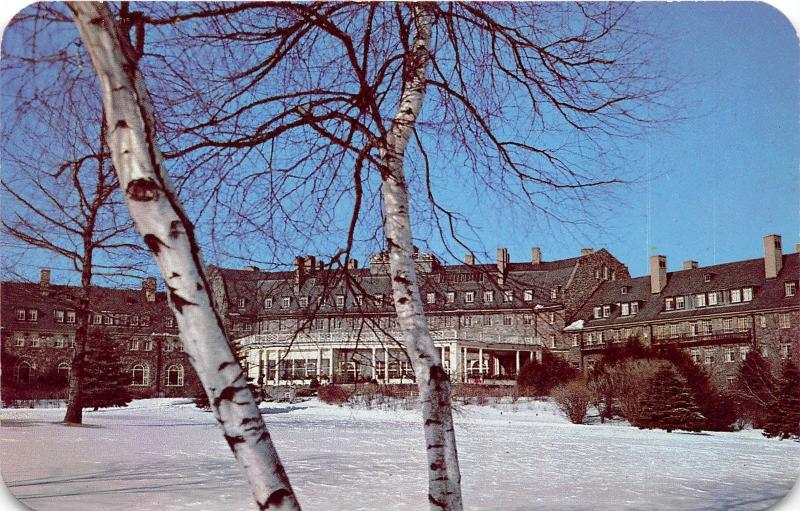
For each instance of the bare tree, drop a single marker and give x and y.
(168, 233)
(64, 196)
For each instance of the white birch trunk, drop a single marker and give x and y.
(160, 219)
(444, 478)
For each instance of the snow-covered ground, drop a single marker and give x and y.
(164, 454)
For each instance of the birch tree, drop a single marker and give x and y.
(160, 219)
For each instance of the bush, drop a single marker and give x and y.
(783, 420)
(542, 376)
(573, 398)
(334, 394)
(669, 404)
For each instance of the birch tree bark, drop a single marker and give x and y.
(444, 478)
(159, 217)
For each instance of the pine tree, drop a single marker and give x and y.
(755, 389)
(106, 382)
(669, 404)
(783, 419)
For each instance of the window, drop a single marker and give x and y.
(709, 358)
(707, 277)
(145, 320)
(605, 272)
(552, 340)
(19, 339)
(469, 296)
(63, 371)
(286, 302)
(70, 316)
(359, 301)
(508, 320)
(669, 304)
(730, 380)
(674, 330)
(58, 342)
(340, 300)
(727, 325)
(268, 302)
(34, 340)
(148, 345)
(696, 355)
(303, 301)
(747, 294)
(680, 302)
(598, 312)
(743, 352)
(487, 321)
(590, 338)
(634, 308)
(713, 298)
(786, 350)
(551, 317)
(527, 295)
(241, 302)
(135, 320)
(319, 324)
(790, 288)
(337, 323)
(736, 295)
(451, 296)
(624, 290)
(508, 296)
(33, 315)
(133, 345)
(527, 319)
(59, 315)
(730, 355)
(430, 298)
(20, 314)
(97, 319)
(783, 321)
(606, 311)
(108, 320)
(708, 327)
(467, 321)
(140, 375)
(597, 273)
(575, 340)
(765, 351)
(700, 300)
(72, 341)
(744, 324)
(379, 300)
(488, 296)
(762, 321)
(625, 309)
(554, 293)
(169, 322)
(600, 338)
(24, 372)
(175, 376)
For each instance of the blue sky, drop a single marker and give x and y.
(726, 176)
(714, 183)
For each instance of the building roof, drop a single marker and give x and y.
(14, 295)
(767, 293)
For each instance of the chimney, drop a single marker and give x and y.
(310, 264)
(299, 272)
(658, 273)
(586, 251)
(502, 265)
(44, 281)
(149, 288)
(536, 255)
(773, 256)
(252, 268)
(690, 265)
(797, 248)
(469, 259)
(352, 264)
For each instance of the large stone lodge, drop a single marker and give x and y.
(292, 327)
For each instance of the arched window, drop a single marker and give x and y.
(175, 376)
(24, 372)
(63, 371)
(140, 375)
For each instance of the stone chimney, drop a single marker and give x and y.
(469, 259)
(299, 273)
(502, 265)
(773, 255)
(586, 251)
(690, 265)
(352, 264)
(44, 281)
(658, 273)
(310, 263)
(797, 248)
(536, 255)
(149, 288)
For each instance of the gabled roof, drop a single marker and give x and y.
(767, 293)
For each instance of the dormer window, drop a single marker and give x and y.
(634, 308)
(240, 303)
(379, 300)
(508, 296)
(20, 314)
(359, 301)
(598, 312)
(430, 298)
(469, 296)
(340, 300)
(606, 311)
(451, 296)
(527, 295)
(669, 304)
(625, 309)
(488, 296)
(286, 302)
(713, 298)
(700, 300)
(624, 290)
(736, 295)
(268, 302)
(33, 315)
(680, 302)
(790, 288)
(554, 292)
(747, 294)
(707, 277)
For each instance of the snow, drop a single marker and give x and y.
(165, 454)
(575, 325)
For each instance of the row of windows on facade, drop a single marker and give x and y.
(708, 355)
(35, 340)
(696, 328)
(625, 309)
(725, 296)
(140, 373)
(434, 322)
(507, 296)
(103, 318)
